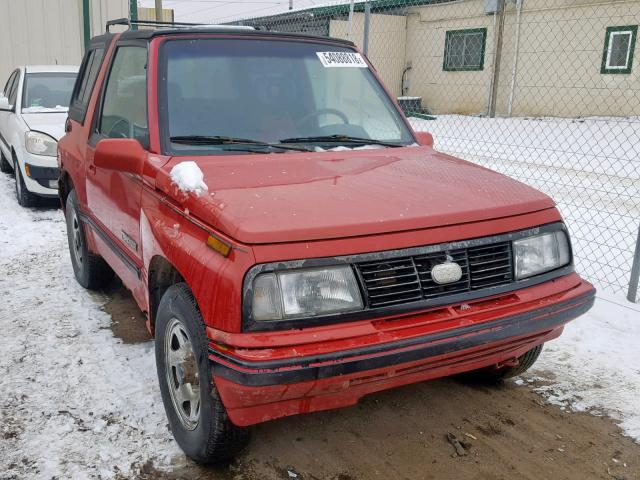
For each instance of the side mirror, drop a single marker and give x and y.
(5, 105)
(424, 139)
(122, 154)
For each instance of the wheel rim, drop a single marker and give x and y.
(181, 371)
(76, 238)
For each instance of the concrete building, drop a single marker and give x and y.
(566, 58)
(51, 31)
(145, 13)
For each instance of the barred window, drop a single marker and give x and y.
(464, 49)
(619, 44)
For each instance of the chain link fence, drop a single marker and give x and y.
(545, 91)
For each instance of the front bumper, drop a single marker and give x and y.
(40, 173)
(262, 384)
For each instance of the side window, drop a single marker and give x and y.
(13, 89)
(7, 86)
(124, 107)
(84, 84)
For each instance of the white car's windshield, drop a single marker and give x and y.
(272, 91)
(45, 92)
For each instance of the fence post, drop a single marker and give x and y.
(495, 74)
(635, 272)
(365, 38)
(350, 26)
(133, 12)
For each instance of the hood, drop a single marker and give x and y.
(289, 197)
(50, 123)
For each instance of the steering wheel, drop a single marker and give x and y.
(120, 134)
(324, 111)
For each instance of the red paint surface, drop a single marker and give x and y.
(249, 405)
(302, 205)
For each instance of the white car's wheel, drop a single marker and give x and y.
(24, 196)
(5, 166)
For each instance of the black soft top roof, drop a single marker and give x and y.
(148, 34)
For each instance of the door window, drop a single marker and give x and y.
(85, 83)
(124, 108)
(12, 93)
(9, 83)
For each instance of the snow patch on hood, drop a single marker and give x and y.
(58, 108)
(189, 178)
(342, 148)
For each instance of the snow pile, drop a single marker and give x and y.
(189, 178)
(594, 365)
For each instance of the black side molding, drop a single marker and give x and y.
(121, 253)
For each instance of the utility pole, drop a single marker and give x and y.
(290, 4)
(158, 10)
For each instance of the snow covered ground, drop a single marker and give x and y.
(594, 365)
(590, 167)
(75, 402)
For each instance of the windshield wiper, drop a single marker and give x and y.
(222, 140)
(340, 139)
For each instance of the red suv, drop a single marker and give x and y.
(294, 244)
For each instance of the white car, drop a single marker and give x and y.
(33, 111)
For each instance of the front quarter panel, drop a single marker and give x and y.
(215, 280)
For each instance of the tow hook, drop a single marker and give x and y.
(512, 362)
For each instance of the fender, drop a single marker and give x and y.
(215, 280)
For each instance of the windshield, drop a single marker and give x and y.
(47, 92)
(272, 91)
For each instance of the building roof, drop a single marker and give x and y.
(342, 9)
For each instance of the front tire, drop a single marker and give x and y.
(91, 270)
(5, 166)
(495, 375)
(25, 197)
(197, 416)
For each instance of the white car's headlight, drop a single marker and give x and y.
(305, 293)
(40, 143)
(541, 253)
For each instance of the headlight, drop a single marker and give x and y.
(541, 253)
(40, 144)
(305, 293)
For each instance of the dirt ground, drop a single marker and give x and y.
(507, 432)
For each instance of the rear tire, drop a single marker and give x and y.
(91, 270)
(25, 197)
(197, 416)
(5, 166)
(493, 375)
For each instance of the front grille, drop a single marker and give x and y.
(407, 279)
